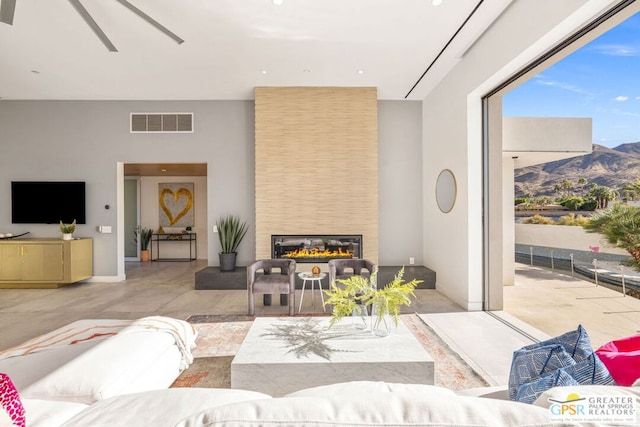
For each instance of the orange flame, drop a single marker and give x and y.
(317, 253)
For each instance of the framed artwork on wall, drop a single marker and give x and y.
(176, 204)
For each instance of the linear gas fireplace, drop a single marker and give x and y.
(316, 247)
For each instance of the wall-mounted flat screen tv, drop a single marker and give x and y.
(47, 202)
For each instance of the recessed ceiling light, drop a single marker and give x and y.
(163, 170)
(436, 2)
(306, 70)
(360, 71)
(263, 71)
(277, 2)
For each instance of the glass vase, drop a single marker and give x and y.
(380, 321)
(360, 318)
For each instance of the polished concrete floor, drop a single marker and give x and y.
(151, 288)
(542, 303)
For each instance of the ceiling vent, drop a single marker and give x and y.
(161, 122)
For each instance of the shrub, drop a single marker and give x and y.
(572, 219)
(589, 205)
(538, 219)
(620, 225)
(573, 203)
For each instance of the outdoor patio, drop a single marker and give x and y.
(555, 302)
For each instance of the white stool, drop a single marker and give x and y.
(307, 276)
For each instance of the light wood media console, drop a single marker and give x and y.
(44, 263)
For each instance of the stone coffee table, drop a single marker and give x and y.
(281, 355)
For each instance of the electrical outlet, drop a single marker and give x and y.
(412, 260)
(215, 228)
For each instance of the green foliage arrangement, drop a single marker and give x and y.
(351, 296)
(620, 225)
(393, 296)
(68, 228)
(231, 231)
(358, 292)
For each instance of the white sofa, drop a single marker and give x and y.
(360, 403)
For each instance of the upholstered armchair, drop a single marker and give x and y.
(343, 268)
(270, 282)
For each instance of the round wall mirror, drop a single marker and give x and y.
(446, 190)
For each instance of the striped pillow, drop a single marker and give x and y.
(567, 359)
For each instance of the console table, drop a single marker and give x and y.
(188, 239)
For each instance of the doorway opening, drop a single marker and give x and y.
(149, 202)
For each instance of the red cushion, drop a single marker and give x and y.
(10, 401)
(622, 359)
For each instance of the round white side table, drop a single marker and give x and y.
(313, 278)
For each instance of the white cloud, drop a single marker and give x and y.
(617, 50)
(540, 79)
(622, 98)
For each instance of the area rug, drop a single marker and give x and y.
(220, 337)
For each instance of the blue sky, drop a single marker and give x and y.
(601, 80)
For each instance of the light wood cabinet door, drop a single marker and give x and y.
(10, 262)
(42, 262)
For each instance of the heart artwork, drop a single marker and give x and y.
(176, 205)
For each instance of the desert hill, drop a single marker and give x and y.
(611, 167)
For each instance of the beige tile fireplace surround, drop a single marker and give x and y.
(316, 164)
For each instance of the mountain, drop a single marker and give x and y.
(610, 167)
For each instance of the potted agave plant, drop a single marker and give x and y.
(231, 231)
(145, 240)
(67, 230)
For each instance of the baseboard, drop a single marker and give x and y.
(106, 279)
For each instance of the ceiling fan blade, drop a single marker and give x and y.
(93, 25)
(7, 9)
(151, 21)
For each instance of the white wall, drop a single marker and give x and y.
(452, 124)
(547, 134)
(508, 218)
(400, 182)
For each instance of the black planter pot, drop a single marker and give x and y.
(227, 261)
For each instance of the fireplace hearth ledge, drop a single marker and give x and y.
(211, 278)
